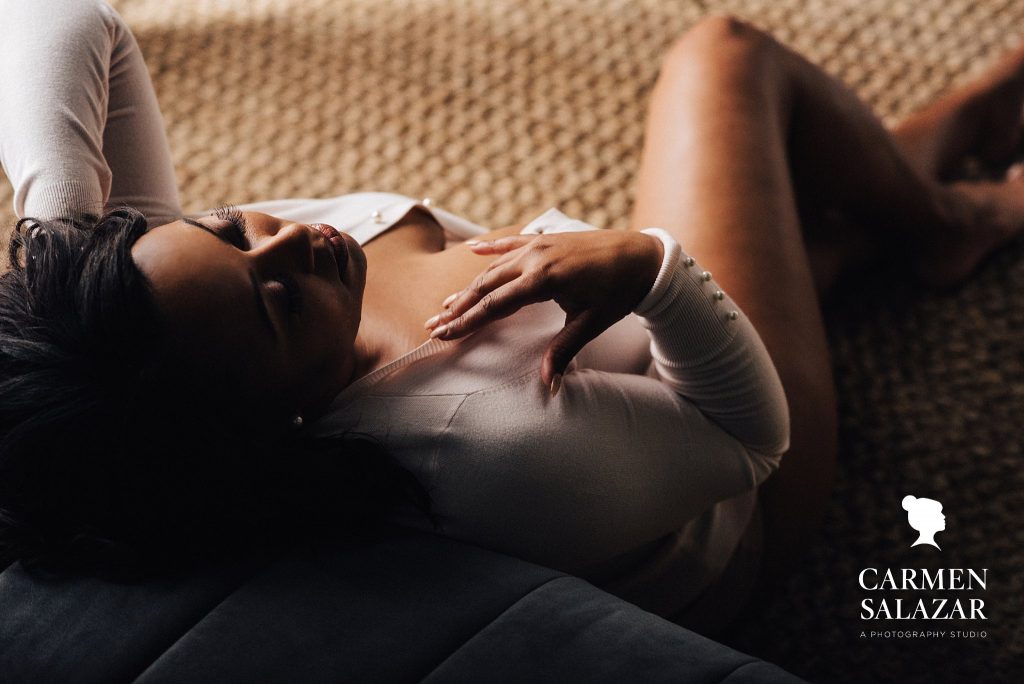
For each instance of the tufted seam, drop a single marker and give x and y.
(498, 617)
(203, 617)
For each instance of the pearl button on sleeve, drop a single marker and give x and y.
(708, 352)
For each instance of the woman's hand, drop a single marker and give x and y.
(597, 277)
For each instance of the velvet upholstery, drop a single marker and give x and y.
(412, 607)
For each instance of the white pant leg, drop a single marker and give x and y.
(80, 127)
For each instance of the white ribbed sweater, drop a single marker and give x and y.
(640, 476)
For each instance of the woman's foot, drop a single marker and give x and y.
(991, 213)
(976, 125)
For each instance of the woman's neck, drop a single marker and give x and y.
(370, 355)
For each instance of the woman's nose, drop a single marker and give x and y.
(290, 249)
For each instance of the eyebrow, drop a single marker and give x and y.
(261, 304)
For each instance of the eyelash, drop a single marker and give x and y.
(232, 215)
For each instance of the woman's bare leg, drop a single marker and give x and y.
(980, 120)
(744, 137)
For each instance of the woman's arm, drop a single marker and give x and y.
(614, 460)
(709, 352)
(704, 348)
(54, 63)
(74, 137)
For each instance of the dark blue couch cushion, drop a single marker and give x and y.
(567, 630)
(407, 608)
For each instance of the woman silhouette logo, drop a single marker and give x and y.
(925, 516)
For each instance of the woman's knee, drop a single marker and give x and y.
(721, 36)
(721, 46)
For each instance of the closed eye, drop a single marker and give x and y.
(237, 230)
(240, 241)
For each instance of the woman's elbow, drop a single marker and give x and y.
(766, 453)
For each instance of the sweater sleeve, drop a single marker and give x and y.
(614, 460)
(706, 350)
(80, 125)
(54, 67)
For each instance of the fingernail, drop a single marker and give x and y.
(431, 321)
(451, 298)
(438, 331)
(556, 383)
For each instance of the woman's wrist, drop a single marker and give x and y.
(670, 252)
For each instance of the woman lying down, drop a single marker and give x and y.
(611, 403)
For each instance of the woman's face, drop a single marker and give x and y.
(263, 310)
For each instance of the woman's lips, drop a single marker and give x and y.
(338, 245)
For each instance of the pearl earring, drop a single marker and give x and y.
(297, 421)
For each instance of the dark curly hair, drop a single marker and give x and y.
(109, 462)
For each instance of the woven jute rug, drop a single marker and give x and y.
(498, 109)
